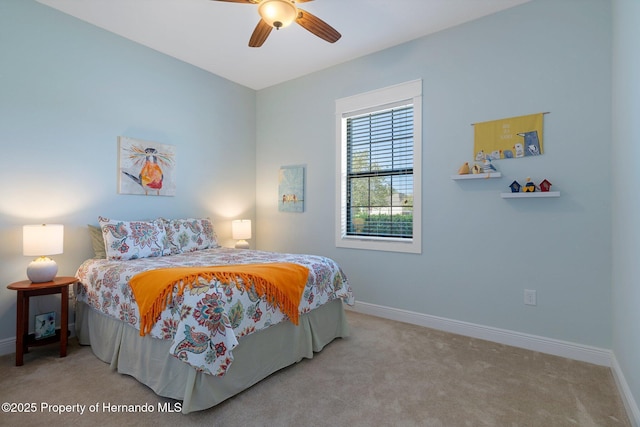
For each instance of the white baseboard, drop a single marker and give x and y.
(597, 356)
(584, 353)
(570, 350)
(8, 345)
(629, 403)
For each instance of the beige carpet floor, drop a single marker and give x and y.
(386, 374)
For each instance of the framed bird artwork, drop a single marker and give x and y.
(145, 168)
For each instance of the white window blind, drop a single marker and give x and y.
(380, 173)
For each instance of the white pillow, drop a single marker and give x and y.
(133, 239)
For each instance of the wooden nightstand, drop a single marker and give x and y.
(26, 289)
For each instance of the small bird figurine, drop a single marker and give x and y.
(529, 187)
(488, 166)
(464, 169)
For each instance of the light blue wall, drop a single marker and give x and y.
(67, 91)
(479, 251)
(626, 200)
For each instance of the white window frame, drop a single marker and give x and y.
(407, 93)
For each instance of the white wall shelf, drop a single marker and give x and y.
(477, 176)
(530, 195)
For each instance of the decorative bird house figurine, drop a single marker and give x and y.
(476, 169)
(464, 169)
(515, 187)
(529, 187)
(545, 186)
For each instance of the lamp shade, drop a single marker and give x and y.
(278, 13)
(241, 229)
(42, 239)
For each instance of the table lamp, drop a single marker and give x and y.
(42, 240)
(241, 230)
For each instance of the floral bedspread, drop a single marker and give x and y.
(207, 320)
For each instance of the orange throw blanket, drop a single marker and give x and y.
(281, 283)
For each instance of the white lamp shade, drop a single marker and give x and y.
(241, 229)
(278, 13)
(42, 239)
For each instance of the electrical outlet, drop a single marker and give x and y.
(530, 297)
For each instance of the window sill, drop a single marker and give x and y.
(380, 244)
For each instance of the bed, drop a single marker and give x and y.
(211, 338)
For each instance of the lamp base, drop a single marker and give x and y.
(242, 244)
(42, 269)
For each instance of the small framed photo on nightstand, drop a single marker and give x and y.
(45, 325)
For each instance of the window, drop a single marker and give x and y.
(379, 137)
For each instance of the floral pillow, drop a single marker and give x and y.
(133, 239)
(190, 234)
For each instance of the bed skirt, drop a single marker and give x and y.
(257, 355)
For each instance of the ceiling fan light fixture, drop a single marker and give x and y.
(278, 13)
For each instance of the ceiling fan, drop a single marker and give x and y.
(281, 13)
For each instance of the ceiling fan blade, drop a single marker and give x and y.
(241, 1)
(260, 34)
(317, 26)
(302, 1)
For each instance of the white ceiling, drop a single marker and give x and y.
(213, 35)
